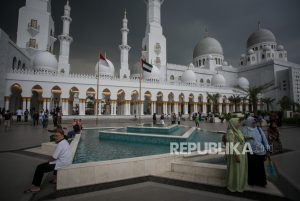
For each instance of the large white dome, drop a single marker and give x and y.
(207, 45)
(105, 70)
(218, 80)
(188, 77)
(260, 36)
(45, 61)
(154, 75)
(243, 83)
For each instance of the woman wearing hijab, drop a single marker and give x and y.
(259, 144)
(237, 164)
(273, 138)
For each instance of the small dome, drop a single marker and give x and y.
(154, 75)
(105, 70)
(191, 66)
(250, 51)
(45, 61)
(243, 83)
(189, 77)
(280, 48)
(207, 45)
(218, 80)
(260, 36)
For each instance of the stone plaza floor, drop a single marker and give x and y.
(17, 168)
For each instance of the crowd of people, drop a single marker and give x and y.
(248, 168)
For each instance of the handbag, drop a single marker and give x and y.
(270, 168)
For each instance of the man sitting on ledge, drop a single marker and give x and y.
(61, 157)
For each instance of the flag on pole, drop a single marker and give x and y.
(102, 60)
(146, 66)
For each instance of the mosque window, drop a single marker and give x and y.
(33, 23)
(23, 66)
(200, 62)
(19, 64)
(242, 63)
(262, 56)
(172, 77)
(14, 63)
(219, 60)
(256, 48)
(248, 59)
(203, 61)
(268, 55)
(216, 60)
(201, 80)
(260, 47)
(32, 43)
(208, 81)
(280, 55)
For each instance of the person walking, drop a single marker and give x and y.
(197, 122)
(273, 138)
(154, 118)
(237, 163)
(7, 120)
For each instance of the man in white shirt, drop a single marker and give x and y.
(19, 114)
(61, 158)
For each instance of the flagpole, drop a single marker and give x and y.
(97, 109)
(140, 104)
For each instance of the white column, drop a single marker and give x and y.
(227, 107)
(195, 108)
(82, 107)
(185, 107)
(176, 108)
(247, 107)
(112, 107)
(220, 108)
(165, 107)
(65, 106)
(44, 104)
(204, 108)
(99, 107)
(152, 107)
(141, 107)
(6, 103)
(24, 104)
(241, 107)
(115, 108)
(28, 103)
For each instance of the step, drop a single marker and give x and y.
(199, 169)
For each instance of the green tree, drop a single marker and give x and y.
(235, 100)
(268, 101)
(285, 103)
(253, 91)
(214, 98)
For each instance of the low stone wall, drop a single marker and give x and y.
(84, 174)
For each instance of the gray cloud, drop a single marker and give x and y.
(96, 26)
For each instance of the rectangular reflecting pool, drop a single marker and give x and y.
(92, 148)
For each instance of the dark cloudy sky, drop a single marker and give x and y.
(96, 26)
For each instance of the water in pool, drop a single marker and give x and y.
(90, 148)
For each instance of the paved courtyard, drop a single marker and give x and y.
(18, 166)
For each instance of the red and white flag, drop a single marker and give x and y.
(103, 61)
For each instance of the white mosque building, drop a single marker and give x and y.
(32, 77)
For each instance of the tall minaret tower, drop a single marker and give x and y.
(154, 43)
(65, 41)
(124, 70)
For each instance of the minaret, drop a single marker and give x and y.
(65, 41)
(124, 70)
(154, 43)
